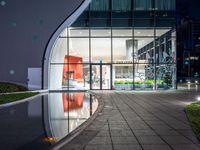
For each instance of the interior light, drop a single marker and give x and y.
(80, 32)
(138, 32)
(198, 98)
(188, 82)
(196, 81)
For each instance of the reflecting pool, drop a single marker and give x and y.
(45, 120)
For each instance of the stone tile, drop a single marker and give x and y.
(139, 127)
(167, 132)
(145, 140)
(119, 126)
(72, 147)
(103, 133)
(127, 147)
(98, 147)
(136, 108)
(124, 140)
(81, 139)
(176, 140)
(121, 133)
(160, 127)
(186, 147)
(101, 140)
(156, 147)
(89, 133)
(144, 132)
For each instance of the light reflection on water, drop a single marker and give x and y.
(67, 111)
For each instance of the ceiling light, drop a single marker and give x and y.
(138, 32)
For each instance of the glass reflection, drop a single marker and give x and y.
(67, 111)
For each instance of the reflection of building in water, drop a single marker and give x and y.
(72, 101)
(69, 110)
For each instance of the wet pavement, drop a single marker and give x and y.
(140, 121)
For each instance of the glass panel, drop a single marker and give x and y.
(100, 5)
(144, 15)
(101, 32)
(166, 48)
(100, 22)
(100, 50)
(123, 50)
(122, 76)
(122, 32)
(56, 76)
(142, 4)
(106, 76)
(100, 14)
(162, 32)
(59, 51)
(164, 22)
(121, 5)
(166, 76)
(143, 23)
(122, 15)
(76, 76)
(74, 32)
(81, 23)
(165, 4)
(95, 76)
(144, 76)
(78, 50)
(121, 22)
(144, 32)
(144, 50)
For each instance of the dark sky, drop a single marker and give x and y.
(191, 7)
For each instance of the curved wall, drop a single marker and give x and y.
(26, 27)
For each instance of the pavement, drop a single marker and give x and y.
(139, 121)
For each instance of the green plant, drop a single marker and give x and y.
(10, 87)
(193, 114)
(6, 98)
(167, 78)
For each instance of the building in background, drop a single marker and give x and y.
(117, 44)
(188, 49)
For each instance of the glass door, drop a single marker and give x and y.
(105, 76)
(100, 77)
(95, 77)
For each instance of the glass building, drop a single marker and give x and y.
(117, 44)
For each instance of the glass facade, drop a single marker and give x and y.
(118, 44)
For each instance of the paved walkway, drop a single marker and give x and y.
(139, 121)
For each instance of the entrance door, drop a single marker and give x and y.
(100, 76)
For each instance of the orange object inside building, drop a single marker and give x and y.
(72, 70)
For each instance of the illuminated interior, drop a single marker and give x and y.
(119, 48)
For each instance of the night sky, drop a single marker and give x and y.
(189, 7)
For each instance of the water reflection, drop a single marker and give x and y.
(43, 121)
(67, 111)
